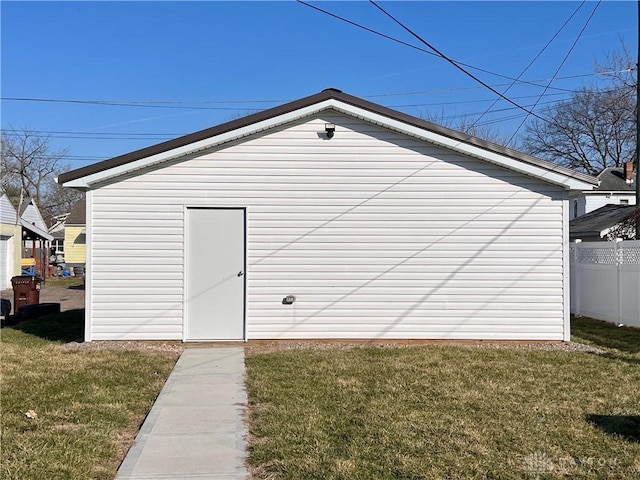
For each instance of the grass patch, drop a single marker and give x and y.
(64, 281)
(443, 412)
(85, 404)
(605, 334)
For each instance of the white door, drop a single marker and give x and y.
(215, 257)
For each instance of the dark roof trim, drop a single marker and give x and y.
(35, 230)
(596, 221)
(327, 94)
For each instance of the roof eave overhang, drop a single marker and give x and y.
(548, 175)
(510, 163)
(88, 181)
(585, 234)
(35, 230)
(610, 192)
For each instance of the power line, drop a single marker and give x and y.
(465, 102)
(453, 62)
(529, 82)
(573, 45)
(396, 40)
(120, 104)
(160, 105)
(529, 66)
(81, 134)
(58, 134)
(195, 105)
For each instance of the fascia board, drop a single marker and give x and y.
(35, 230)
(548, 176)
(611, 192)
(89, 180)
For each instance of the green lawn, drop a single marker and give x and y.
(64, 281)
(440, 411)
(606, 335)
(334, 412)
(88, 403)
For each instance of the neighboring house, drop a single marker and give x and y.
(30, 213)
(57, 244)
(10, 241)
(35, 240)
(75, 236)
(327, 217)
(615, 186)
(594, 226)
(23, 246)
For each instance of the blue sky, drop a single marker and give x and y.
(185, 66)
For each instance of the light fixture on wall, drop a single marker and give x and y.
(330, 129)
(288, 300)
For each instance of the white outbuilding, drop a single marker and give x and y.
(329, 217)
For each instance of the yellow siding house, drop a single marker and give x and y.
(75, 248)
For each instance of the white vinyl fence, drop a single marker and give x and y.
(605, 281)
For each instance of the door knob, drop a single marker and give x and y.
(240, 273)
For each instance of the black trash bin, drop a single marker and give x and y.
(26, 291)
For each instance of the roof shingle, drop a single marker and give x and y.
(594, 222)
(612, 180)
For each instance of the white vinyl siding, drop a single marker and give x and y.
(32, 215)
(9, 243)
(376, 234)
(6, 261)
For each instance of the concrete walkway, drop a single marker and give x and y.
(196, 426)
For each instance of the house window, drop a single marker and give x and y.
(575, 208)
(57, 246)
(624, 201)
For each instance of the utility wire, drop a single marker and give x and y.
(564, 60)
(525, 70)
(454, 63)
(167, 104)
(97, 135)
(194, 105)
(393, 39)
(120, 104)
(529, 82)
(58, 134)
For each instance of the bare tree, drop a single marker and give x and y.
(28, 167)
(466, 124)
(619, 67)
(483, 131)
(59, 200)
(593, 130)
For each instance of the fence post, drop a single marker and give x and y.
(616, 256)
(577, 287)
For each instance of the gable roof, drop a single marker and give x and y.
(30, 212)
(78, 215)
(35, 230)
(8, 216)
(26, 201)
(612, 180)
(7, 210)
(331, 98)
(599, 221)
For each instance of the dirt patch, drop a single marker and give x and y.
(555, 346)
